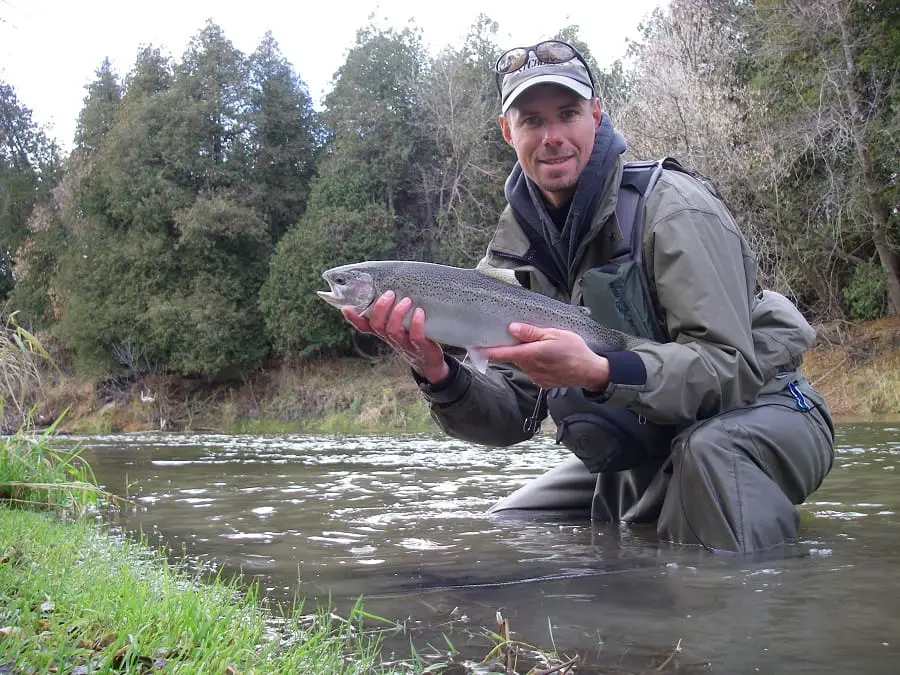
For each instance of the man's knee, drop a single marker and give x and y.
(568, 487)
(719, 495)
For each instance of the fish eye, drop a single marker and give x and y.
(340, 280)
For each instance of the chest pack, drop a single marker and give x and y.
(618, 293)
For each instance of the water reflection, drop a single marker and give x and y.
(402, 521)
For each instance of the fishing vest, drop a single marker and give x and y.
(611, 438)
(618, 293)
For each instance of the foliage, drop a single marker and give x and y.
(296, 319)
(687, 98)
(29, 168)
(826, 72)
(458, 112)
(34, 474)
(865, 292)
(100, 107)
(283, 141)
(6, 274)
(373, 142)
(176, 194)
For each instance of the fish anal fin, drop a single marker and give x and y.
(478, 358)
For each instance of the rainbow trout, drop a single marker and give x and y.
(463, 307)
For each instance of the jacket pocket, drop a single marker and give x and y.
(606, 438)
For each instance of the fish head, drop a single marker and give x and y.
(350, 286)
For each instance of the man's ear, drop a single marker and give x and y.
(596, 112)
(505, 129)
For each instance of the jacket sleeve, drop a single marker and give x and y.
(488, 408)
(704, 277)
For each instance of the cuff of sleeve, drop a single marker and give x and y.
(626, 368)
(627, 377)
(451, 389)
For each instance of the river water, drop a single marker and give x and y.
(402, 522)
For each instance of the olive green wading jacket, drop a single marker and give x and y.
(727, 341)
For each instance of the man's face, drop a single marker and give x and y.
(552, 131)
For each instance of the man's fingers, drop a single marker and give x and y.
(386, 320)
(381, 309)
(528, 333)
(360, 323)
(417, 327)
(394, 326)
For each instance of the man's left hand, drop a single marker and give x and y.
(553, 358)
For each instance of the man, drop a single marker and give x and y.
(709, 428)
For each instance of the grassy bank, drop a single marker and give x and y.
(347, 395)
(857, 369)
(75, 599)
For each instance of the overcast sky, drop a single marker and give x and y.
(50, 49)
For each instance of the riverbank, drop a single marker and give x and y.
(76, 599)
(856, 367)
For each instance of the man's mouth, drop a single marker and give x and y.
(555, 160)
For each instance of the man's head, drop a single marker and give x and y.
(550, 114)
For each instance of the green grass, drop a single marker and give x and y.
(75, 599)
(34, 474)
(71, 596)
(412, 419)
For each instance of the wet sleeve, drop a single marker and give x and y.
(487, 408)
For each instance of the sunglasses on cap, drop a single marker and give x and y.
(550, 52)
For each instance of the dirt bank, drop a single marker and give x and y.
(856, 367)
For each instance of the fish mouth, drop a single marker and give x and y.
(331, 298)
(338, 300)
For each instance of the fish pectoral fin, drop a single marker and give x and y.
(478, 358)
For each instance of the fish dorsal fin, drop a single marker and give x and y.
(506, 276)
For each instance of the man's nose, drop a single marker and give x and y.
(552, 134)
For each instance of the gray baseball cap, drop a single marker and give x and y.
(571, 74)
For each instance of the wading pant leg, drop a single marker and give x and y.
(608, 497)
(567, 488)
(736, 477)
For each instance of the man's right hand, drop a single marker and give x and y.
(385, 321)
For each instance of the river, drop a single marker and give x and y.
(402, 522)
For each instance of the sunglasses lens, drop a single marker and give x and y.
(511, 60)
(554, 52)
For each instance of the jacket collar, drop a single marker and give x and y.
(511, 248)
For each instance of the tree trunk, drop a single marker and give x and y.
(890, 260)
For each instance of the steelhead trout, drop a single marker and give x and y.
(463, 307)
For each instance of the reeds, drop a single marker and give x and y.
(20, 376)
(34, 474)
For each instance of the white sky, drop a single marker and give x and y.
(50, 49)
